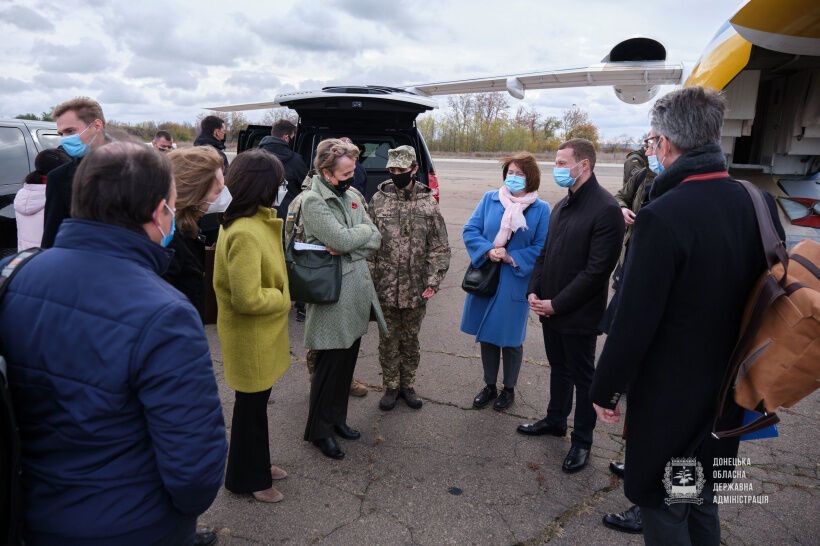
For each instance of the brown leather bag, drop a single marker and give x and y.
(776, 361)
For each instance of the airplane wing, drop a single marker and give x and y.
(621, 75)
(249, 106)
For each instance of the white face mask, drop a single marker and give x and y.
(222, 201)
(283, 191)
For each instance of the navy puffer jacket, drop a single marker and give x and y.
(122, 431)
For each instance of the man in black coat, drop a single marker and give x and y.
(81, 124)
(568, 291)
(212, 133)
(279, 144)
(694, 256)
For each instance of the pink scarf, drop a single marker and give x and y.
(513, 218)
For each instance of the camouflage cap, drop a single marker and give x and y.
(401, 157)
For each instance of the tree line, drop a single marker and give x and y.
(484, 122)
(481, 122)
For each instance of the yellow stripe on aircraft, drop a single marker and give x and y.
(722, 63)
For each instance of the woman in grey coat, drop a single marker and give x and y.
(337, 219)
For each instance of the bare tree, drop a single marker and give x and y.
(275, 114)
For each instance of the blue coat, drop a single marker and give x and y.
(121, 427)
(502, 319)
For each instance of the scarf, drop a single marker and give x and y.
(704, 159)
(513, 218)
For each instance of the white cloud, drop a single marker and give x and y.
(25, 18)
(179, 57)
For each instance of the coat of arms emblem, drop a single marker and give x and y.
(683, 480)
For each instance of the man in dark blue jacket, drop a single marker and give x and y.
(121, 427)
(280, 144)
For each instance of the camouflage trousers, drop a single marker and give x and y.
(399, 348)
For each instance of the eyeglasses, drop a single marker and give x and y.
(647, 143)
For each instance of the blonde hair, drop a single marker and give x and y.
(194, 173)
(87, 109)
(329, 151)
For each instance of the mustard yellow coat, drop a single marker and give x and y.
(251, 284)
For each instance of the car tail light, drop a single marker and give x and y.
(432, 183)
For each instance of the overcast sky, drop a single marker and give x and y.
(167, 60)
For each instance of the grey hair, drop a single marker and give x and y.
(690, 117)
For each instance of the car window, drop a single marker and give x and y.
(375, 154)
(13, 156)
(48, 138)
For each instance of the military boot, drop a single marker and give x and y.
(357, 388)
(410, 398)
(388, 401)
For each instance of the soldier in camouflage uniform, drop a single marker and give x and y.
(357, 388)
(638, 178)
(407, 270)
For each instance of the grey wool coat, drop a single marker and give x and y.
(342, 224)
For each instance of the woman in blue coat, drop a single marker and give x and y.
(509, 226)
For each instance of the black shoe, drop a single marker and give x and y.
(388, 400)
(329, 448)
(539, 428)
(483, 398)
(504, 400)
(617, 469)
(628, 521)
(410, 398)
(300, 315)
(204, 537)
(346, 432)
(576, 460)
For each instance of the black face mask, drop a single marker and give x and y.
(402, 180)
(342, 186)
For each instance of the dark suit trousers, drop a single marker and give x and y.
(329, 391)
(572, 364)
(249, 452)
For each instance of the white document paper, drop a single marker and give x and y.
(307, 246)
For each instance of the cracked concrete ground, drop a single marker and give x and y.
(450, 474)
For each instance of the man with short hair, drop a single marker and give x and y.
(81, 126)
(568, 291)
(688, 274)
(123, 440)
(280, 143)
(163, 141)
(212, 133)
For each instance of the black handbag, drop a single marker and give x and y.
(314, 276)
(482, 281)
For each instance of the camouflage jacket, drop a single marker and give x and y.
(415, 253)
(634, 162)
(296, 206)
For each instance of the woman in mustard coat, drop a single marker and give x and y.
(253, 301)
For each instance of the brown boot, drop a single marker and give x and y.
(357, 389)
(388, 401)
(409, 395)
(268, 495)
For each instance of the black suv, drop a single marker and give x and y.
(375, 118)
(20, 142)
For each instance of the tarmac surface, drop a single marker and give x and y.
(450, 474)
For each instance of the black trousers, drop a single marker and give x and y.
(330, 390)
(683, 524)
(572, 364)
(249, 452)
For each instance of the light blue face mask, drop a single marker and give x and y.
(73, 145)
(515, 183)
(562, 177)
(166, 239)
(654, 165)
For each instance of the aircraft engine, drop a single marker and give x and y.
(638, 49)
